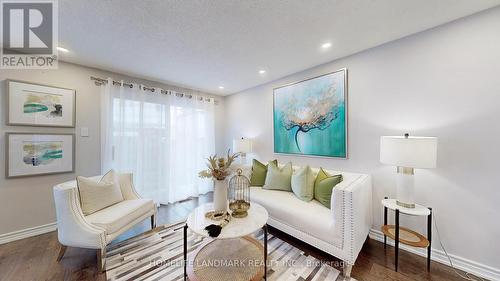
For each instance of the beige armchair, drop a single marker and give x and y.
(97, 230)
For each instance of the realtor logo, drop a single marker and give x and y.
(29, 34)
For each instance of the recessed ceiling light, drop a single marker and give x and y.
(221, 87)
(62, 49)
(326, 45)
(262, 71)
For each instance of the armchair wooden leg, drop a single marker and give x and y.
(62, 250)
(101, 254)
(153, 222)
(346, 272)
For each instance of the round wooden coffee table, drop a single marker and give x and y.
(233, 255)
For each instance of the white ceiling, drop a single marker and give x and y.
(206, 44)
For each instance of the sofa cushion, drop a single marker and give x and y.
(279, 178)
(323, 187)
(303, 183)
(308, 217)
(117, 216)
(97, 195)
(259, 172)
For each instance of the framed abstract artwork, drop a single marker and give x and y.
(32, 104)
(310, 116)
(31, 154)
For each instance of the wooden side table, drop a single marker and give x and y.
(405, 235)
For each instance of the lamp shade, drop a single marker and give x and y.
(408, 151)
(242, 145)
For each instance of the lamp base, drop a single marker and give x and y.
(243, 158)
(405, 187)
(405, 205)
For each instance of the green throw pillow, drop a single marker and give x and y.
(323, 187)
(259, 172)
(303, 184)
(279, 179)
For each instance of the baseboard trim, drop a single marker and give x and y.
(461, 263)
(26, 233)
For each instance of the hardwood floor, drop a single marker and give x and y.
(35, 258)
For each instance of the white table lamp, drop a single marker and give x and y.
(408, 152)
(243, 146)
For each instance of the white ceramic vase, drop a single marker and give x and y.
(220, 195)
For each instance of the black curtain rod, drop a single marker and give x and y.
(100, 81)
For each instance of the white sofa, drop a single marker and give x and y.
(339, 231)
(95, 231)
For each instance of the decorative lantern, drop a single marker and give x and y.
(239, 195)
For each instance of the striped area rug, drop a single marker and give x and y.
(158, 255)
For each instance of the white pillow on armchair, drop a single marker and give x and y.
(97, 195)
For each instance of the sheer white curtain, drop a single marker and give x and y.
(162, 139)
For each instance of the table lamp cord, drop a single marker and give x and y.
(468, 275)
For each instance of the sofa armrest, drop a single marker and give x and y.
(353, 213)
(127, 186)
(72, 228)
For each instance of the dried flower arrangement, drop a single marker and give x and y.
(219, 167)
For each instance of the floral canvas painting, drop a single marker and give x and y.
(310, 117)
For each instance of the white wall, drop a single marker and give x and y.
(444, 82)
(28, 202)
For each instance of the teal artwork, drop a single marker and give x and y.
(41, 153)
(48, 104)
(310, 116)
